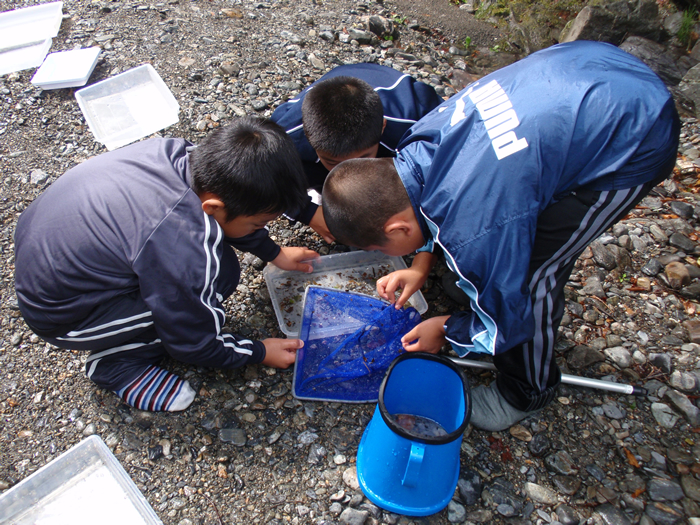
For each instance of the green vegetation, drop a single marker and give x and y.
(685, 32)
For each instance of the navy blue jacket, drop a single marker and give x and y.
(122, 222)
(404, 99)
(480, 169)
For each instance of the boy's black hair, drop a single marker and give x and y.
(359, 197)
(342, 115)
(252, 166)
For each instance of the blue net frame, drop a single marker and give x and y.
(350, 340)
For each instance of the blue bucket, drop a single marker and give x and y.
(408, 458)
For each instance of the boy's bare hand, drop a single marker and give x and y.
(281, 353)
(409, 281)
(429, 336)
(295, 258)
(318, 224)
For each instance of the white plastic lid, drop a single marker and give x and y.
(66, 68)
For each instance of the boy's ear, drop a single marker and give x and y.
(403, 224)
(211, 203)
(383, 125)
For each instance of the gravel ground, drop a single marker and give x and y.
(246, 451)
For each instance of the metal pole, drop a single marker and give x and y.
(567, 379)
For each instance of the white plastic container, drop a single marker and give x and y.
(66, 68)
(27, 57)
(128, 106)
(83, 486)
(351, 272)
(30, 25)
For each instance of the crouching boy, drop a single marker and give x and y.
(510, 180)
(353, 111)
(129, 256)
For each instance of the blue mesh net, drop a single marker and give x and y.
(349, 341)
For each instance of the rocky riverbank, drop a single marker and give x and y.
(246, 451)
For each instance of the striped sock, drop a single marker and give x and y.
(158, 390)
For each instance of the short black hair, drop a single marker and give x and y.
(252, 166)
(342, 115)
(359, 197)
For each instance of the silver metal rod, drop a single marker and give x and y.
(566, 379)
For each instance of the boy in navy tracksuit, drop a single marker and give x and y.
(353, 111)
(128, 255)
(510, 180)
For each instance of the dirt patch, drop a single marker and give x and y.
(455, 24)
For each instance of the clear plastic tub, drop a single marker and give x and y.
(26, 57)
(30, 25)
(66, 68)
(83, 486)
(351, 272)
(128, 106)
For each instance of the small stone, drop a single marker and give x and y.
(682, 209)
(352, 516)
(350, 478)
(612, 411)
(469, 486)
(307, 437)
(664, 415)
(38, 177)
(664, 490)
(682, 403)
(691, 487)
(583, 356)
(619, 355)
(521, 433)
(235, 436)
(567, 515)
(455, 512)
(561, 463)
(539, 445)
(155, 452)
(90, 429)
(683, 381)
(683, 243)
(177, 503)
(540, 494)
(566, 484)
(609, 514)
(677, 274)
(661, 361)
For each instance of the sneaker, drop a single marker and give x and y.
(490, 411)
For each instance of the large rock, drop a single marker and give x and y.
(656, 56)
(612, 22)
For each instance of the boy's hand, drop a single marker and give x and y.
(409, 281)
(297, 259)
(281, 353)
(318, 224)
(429, 336)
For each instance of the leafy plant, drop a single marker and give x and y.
(467, 42)
(399, 19)
(685, 32)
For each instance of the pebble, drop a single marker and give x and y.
(664, 490)
(540, 494)
(351, 516)
(236, 436)
(469, 487)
